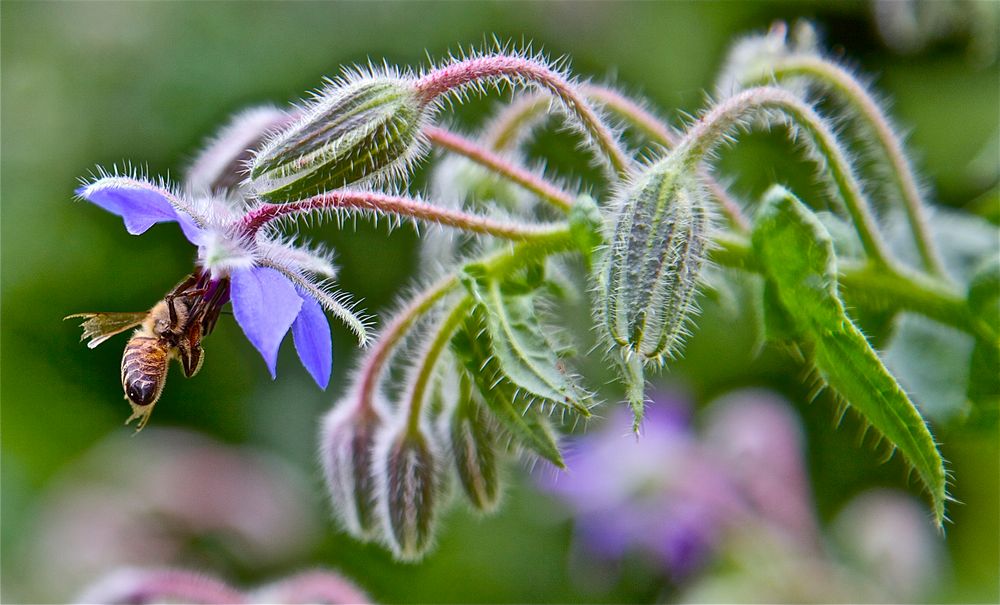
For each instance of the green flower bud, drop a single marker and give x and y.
(474, 449)
(347, 444)
(353, 132)
(653, 262)
(408, 494)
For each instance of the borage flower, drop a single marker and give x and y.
(274, 284)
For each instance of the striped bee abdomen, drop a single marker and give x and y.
(144, 369)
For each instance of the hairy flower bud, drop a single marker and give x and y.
(408, 495)
(352, 132)
(347, 444)
(654, 260)
(474, 450)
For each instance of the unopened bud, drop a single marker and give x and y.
(351, 133)
(654, 261)
(474, 449)
(222, 164)
(407, 492)
(347, 444)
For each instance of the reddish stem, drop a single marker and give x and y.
(391, 204)
(480, 155)
(460, 73)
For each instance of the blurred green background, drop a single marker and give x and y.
(88, 84)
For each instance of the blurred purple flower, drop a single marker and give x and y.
(659, 494)
(674, 494)
(135, 586)
(273, 284)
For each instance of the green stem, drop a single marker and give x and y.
(430, 358)
(841, 81)
(713, 129)
(874, 286)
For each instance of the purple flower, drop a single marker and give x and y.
(659, 494)
(275, 285)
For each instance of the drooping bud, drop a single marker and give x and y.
(222, 164)
(351, 133)
(654, 261)
(408, 480)
(474, 449)
(347, 445)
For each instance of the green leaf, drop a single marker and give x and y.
(473, 348)
(797, 257)
(525, 356)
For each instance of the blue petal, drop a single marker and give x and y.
(265, 304)
(139, 203)
(311, 332)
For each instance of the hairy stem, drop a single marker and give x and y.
(507, 128)
(398, 206)
(429, 360)
(656, 131)
(457, 75)
(394, 332)
(484, 157)
(712, 129)
(497, 263)
(835, 77)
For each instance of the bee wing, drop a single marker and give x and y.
(99, 327)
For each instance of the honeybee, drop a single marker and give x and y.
(172, 329)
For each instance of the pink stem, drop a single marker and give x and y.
(460, 73)
(470, 149)
(391, 204)
(375, 360)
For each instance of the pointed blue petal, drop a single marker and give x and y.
(140, 204)
(265, 304)
(311, 333)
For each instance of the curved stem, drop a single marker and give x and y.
(651, 126)
(833, 76)
(508, 128)
(459, 74)
(471, 150)
(713, 128)
(399, 206)
(394, 332)
(506, 131)
(429, 360)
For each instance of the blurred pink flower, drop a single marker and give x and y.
(166, 497)
(135, 586)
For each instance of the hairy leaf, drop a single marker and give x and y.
(473, 348)
(797, 256)
(524, 354)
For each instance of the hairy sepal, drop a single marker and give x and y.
(511, 406)
(797, 257)
(406, 466)
(474, 448)
(347, 443)
(653, 263)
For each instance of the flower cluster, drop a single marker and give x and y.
(470, 367)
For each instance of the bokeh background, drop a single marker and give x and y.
(88, 84)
